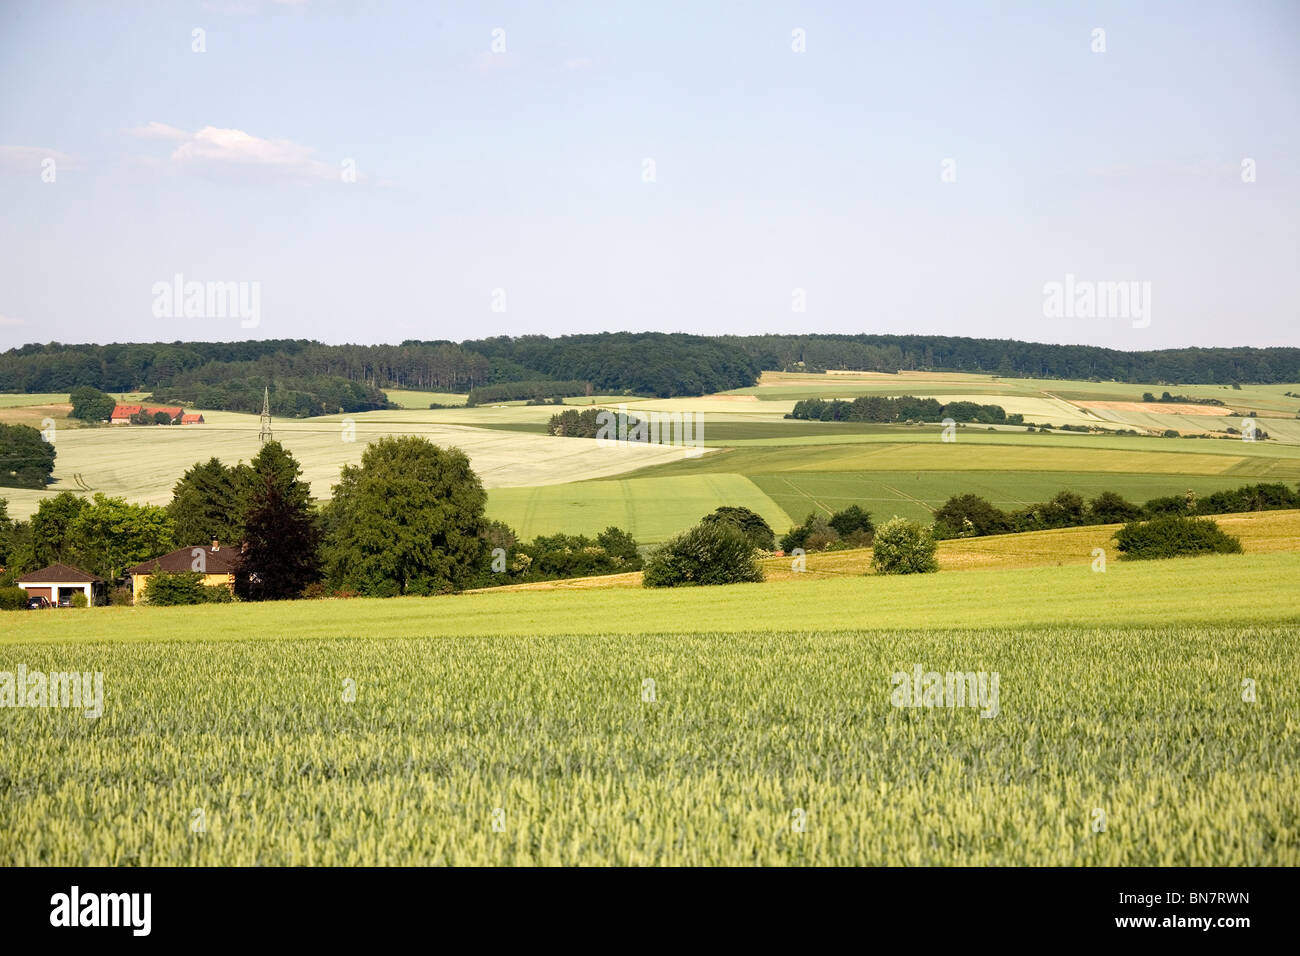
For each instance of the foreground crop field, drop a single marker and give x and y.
(550, 739)
(515, 728)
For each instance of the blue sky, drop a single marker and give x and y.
(774, 170)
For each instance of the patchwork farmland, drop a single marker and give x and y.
(245, 699)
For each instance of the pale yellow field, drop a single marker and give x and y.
(1037, 409)
(733, 408)
(143, 463)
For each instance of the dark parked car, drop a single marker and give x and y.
(36, 603)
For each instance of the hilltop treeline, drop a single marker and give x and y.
(642, 363)
(905, 408)
(1009, 357)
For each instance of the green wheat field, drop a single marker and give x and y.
(515, 727)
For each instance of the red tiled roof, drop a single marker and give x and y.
(126, 411)
(192, 419)
(59, 574)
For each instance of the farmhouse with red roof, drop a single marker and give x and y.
(122, 413)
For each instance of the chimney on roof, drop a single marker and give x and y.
(216, 545)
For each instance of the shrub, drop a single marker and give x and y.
(12, 599)
(119, 597)
(79, 600)
(171, 589)
(1111, 508)
(218, 594)
(815, 534)
(1173, 536)
(1168, 505)
(713, 552)
(1262, 497)
(969, 516)
(903, 547)
(754, 526)
(1065, 510)
(621, 547)
(852, 522)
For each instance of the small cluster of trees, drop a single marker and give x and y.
(553, 556)
(588, 423)
(1179, 399)
(963, 516)
(26, 458)
(905, 408)
(101, 535)
(850, 528)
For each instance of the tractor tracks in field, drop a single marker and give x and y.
(907, 497)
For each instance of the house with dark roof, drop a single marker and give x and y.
(59, 582)
(215, 563)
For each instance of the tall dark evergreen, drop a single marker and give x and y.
(281, 537)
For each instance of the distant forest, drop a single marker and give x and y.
(308, 378)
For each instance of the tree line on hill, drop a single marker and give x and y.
(1165, 397)
(905, 408)
(311, 375)
(816, 352)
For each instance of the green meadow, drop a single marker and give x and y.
(1188, 591)
(651, 509)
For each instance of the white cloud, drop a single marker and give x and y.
(8, 321)
(577, 63)
(215, 148)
